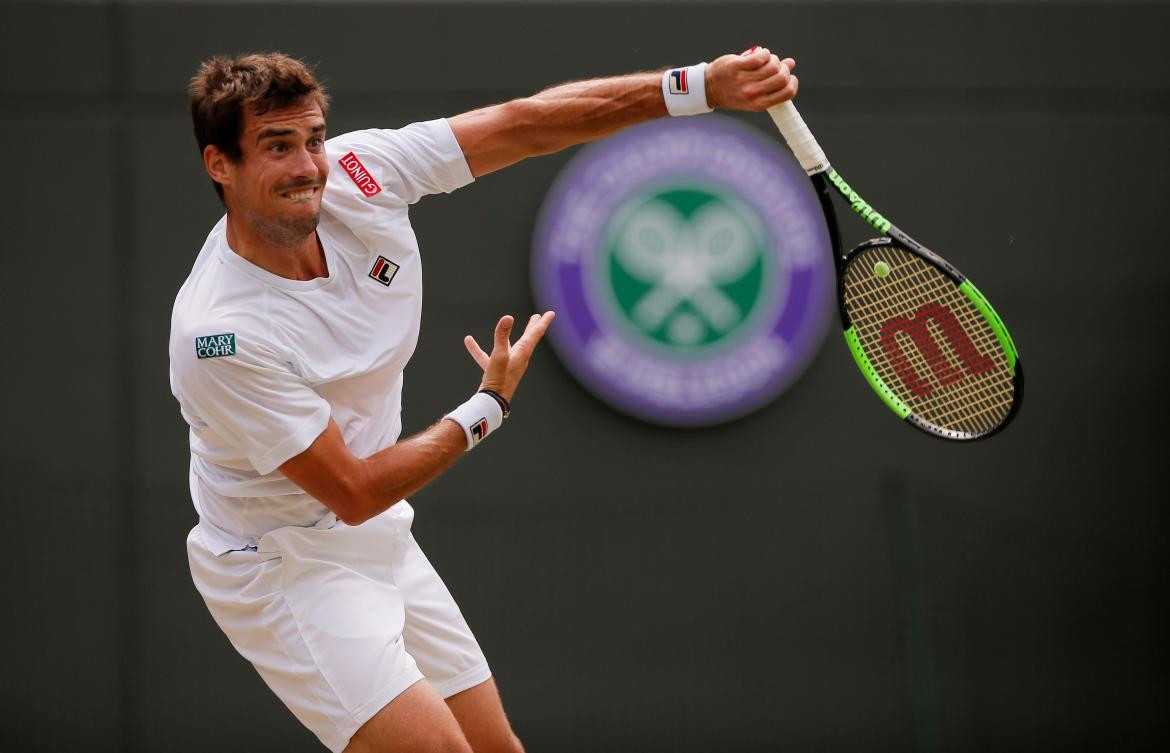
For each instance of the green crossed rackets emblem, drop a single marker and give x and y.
(686, 268)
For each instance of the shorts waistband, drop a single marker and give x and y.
(221, 542)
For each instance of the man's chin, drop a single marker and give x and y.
(305, 224)
(289, 230)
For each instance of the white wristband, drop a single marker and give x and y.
(479, 416)
(685, 90)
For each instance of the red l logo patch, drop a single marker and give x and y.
(384, 270)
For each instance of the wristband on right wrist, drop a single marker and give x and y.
(685, 90)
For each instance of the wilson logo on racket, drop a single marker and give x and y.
(916, 329)
(678, 81)
(859, 205)
(361, 176)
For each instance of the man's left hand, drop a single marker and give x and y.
(507, 363)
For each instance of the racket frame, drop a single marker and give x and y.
(828, 182)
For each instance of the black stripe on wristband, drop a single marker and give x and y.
(504, 406)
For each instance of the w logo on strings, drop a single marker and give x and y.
(974, 362)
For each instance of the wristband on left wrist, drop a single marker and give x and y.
(505, 406)
(478, 417)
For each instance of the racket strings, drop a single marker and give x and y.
(928, 342)
(919, 362)
(973, 411)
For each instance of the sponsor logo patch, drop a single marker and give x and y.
(384, 270)
(361, 176)
(678, 81)
(690, 269)
(214, 346)
(478, 431)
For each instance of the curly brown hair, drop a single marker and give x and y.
(224, 88)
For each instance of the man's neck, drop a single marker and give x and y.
(302, 259)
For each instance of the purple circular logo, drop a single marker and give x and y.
(690, 269)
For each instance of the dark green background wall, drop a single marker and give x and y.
(812, 577)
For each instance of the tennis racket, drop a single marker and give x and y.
(924, 337)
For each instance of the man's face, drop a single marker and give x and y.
(276, 188)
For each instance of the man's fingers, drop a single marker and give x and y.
(769, 70)
(752, 58)
(790, 90)
(502, 347)
(769, 86)
(759, 57)
(503, 331)
(537, 325)
(477, 354)
(784, 94)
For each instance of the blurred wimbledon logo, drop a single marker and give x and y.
(686, 267)
(688, 263)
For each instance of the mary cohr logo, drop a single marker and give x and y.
(214, 346)
(691, 262)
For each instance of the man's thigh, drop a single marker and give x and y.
(417, 721)
(480, 714)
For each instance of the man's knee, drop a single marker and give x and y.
(505, 743)
(514, 745)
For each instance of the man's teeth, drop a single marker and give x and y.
(298, 195)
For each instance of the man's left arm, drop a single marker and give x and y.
(500, 135)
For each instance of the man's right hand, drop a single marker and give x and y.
(753, 80)
(507, 363)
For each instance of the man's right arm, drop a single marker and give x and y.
(500, 135)
(356, 489)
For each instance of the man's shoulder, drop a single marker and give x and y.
(237, 331)
(219, 312)
(395, 167)
(376, 138)
(221, 347)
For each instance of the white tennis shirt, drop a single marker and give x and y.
(259, 363)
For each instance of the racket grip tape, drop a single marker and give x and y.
(800, 139)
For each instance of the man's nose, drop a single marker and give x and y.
(304, 165)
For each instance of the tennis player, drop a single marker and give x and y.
(288, 343)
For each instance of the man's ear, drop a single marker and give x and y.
(217, 164)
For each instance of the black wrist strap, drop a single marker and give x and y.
(504, 406)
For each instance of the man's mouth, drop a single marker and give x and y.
(301, 194)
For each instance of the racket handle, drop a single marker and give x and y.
(800, 139)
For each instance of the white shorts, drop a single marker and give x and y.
(339, 620)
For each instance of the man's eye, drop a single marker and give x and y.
(277, 147)
(315, 143)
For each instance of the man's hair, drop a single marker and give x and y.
(225, 88)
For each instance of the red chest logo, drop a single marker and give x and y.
(361, 176)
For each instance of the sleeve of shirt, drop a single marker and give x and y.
(252, 401)
(400, 165)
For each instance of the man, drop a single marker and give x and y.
(288, 342)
